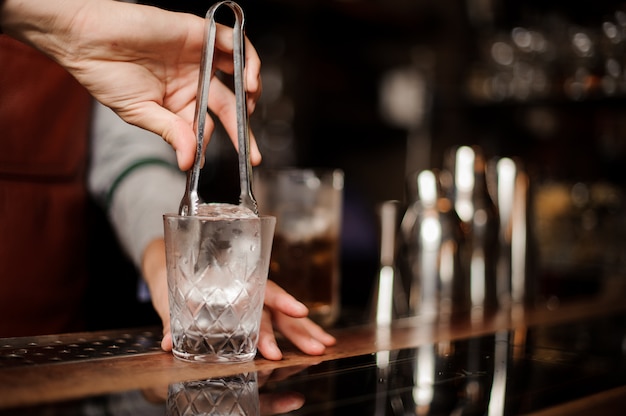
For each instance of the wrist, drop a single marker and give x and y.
(45, 25)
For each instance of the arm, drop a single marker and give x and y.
(133, 176)
(139, 60)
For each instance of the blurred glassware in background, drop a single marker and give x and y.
(515, 283)
(466, 244)
(479, 237)
(548, 57)
(580, 230)
(464, 181)
(430, 251)
(306, 262)
(389, 300)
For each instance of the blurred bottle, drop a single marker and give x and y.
(431, 238)
(511, 190)
(466, 185)
(389, 300)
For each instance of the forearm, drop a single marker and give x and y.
(133, 176)
(138, 205)
(136, 212)
(154, 272)
(74, 32)
(46, 25)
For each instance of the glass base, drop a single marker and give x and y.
(214, 358)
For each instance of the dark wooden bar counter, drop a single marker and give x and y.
(566, 360)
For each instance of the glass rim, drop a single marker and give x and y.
(296, 169)
(211, 218)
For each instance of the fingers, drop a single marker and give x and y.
(224, 60)
(283, 313)
(286, 314)
(309, 337)
(252, 74)
(179, 133)
(181, 137)
(279, 300)
(172, 128)
(221, 99)
(223, 104)
(267, 340)
(166, 342)
(302, 332)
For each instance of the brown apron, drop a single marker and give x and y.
(44, 124)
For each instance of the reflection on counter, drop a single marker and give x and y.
(237, 395)
(503, 373)
(509, 372)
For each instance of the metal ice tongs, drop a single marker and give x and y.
(190, 200)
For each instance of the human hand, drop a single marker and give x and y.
(141, 61)
(281, 312)
(284, 313)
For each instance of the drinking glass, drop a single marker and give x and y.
(307, 204)
(217, 269)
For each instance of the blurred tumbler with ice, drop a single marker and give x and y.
(307, 204)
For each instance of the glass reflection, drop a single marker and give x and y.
(236, 395)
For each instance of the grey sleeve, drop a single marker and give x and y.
(134, 176)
